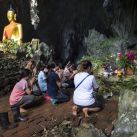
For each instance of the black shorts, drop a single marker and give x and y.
(96, 104)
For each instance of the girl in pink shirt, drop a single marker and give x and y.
(21, 95)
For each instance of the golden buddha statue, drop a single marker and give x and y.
(13, 31)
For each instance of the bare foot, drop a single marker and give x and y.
(23, 110)
(74, 110)
(85, 111)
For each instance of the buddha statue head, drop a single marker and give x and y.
(11, 15)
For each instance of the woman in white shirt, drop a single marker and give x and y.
(85, 86)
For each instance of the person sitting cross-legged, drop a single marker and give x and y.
(85, 87)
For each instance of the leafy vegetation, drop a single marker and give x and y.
(10, 46)
(29, 50)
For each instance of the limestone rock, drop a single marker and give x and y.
(43, 54)
(90, 132)
(127, 120)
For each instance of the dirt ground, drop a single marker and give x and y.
(47, 116)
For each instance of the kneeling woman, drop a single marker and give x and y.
(21, 95)
(85, 86)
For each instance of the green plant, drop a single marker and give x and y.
(29, 51)
(10, 46)
(123, 62)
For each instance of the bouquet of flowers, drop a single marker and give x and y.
(125, 61)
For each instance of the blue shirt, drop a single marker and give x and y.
(42, 81)
(51, 84)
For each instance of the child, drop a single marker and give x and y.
(42, 81)
(21, 95)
